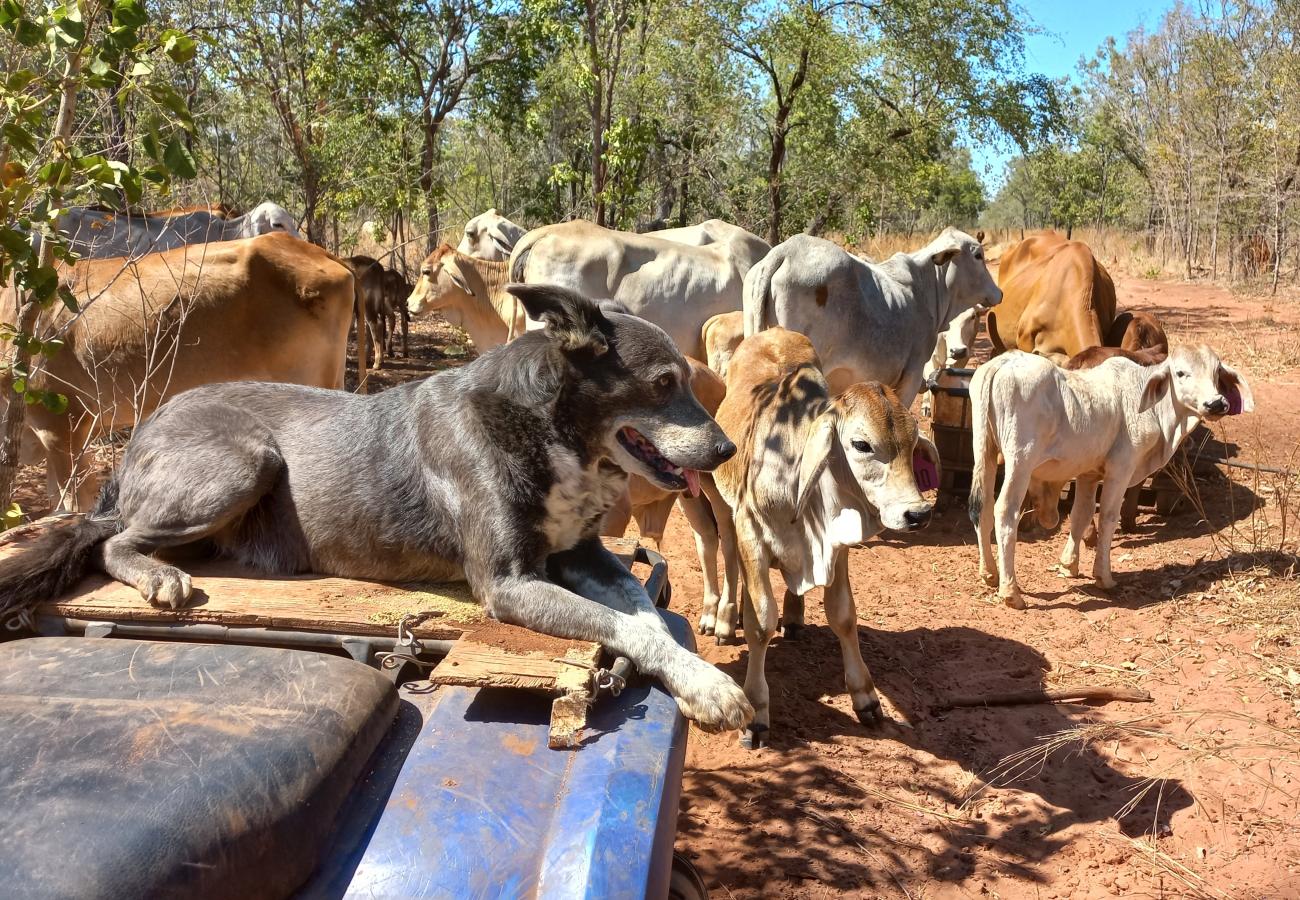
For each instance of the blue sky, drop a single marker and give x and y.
(1073, 29)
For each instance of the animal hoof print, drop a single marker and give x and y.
(871, 715)
(754, 737)
(793, 631)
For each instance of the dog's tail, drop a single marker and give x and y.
(51, 564)
(985, 469)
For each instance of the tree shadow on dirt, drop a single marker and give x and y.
(794, 816)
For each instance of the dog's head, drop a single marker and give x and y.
(632, 386)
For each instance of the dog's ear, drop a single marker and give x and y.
(569, 317)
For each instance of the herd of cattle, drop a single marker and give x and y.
(809, 357)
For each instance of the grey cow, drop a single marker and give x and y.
(100, 234)
(869, 321)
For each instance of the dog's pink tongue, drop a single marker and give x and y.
(692, 481)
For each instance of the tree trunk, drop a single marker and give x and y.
(428, 176)
(598, 113)
(29, 312)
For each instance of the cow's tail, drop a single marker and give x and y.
(52, 563)
(757, 295)
(519, 259)
(363, 331)
(984, 471)
(991, 325)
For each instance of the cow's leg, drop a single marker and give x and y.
(984, 527)
(1112, 498)
(842, 615)
(792, 620)
(721, 622)
(1015, 482)
(760, 625)
(700, 518)
(185, 495)
(406, 327)
(71, 478)
(1128, 514)
(1085, 501)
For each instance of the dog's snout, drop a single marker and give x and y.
(725, 450)
(1218, 406)
(959, 353)
(918, 518)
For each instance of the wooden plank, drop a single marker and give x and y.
(473, 665)
(226, 594)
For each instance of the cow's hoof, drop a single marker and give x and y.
(726, 640)
(793, 631)
(705, 627)
(871, 715)
(1015, 601)
(755, 737)
(989, 578)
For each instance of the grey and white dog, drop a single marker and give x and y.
(499, 472)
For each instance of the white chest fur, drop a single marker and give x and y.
(578, 496)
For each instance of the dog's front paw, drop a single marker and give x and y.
(712, 700)
(167, 588)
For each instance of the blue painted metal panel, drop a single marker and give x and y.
(483, 809)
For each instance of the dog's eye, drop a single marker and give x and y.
(664, 381)
(862, 446)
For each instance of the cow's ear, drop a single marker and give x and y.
(1230, 383)
(926, 451)
(458, 278)
(569, 317)
(1156, 384)
(945, 249)
(822, 440)
(502, 242)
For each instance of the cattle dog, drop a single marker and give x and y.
(499, 472)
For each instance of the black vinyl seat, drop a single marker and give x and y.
(141, 769)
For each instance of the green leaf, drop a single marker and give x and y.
(178, 46)
(28, 33)
(16, 244)
(55, 403)
(130, 13)
(10, 11)
(20, 138)
(20, 385)
(141, 69)
(12, 517)
(178, 159)
(99, 66)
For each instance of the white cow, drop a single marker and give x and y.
(951, 349)
(490, 235)
(98, 234)
(747, 248)
(676, 286)
(1115, 424)
(869, 321)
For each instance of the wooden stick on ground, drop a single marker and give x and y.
(1040, 695)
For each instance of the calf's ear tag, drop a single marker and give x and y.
(1233, 397)
(927, 476)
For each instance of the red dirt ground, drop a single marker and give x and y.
(1194, 794)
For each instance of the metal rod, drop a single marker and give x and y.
(227, 634)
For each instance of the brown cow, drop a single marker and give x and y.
(270, 308)
(1057, 300)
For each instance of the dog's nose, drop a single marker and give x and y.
(725, 450)
(917, 518)
(1218, 406)
(959, 353)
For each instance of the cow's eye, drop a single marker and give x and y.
(862, 446)
(1181, 374)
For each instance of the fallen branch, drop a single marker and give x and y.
(1039, 695)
